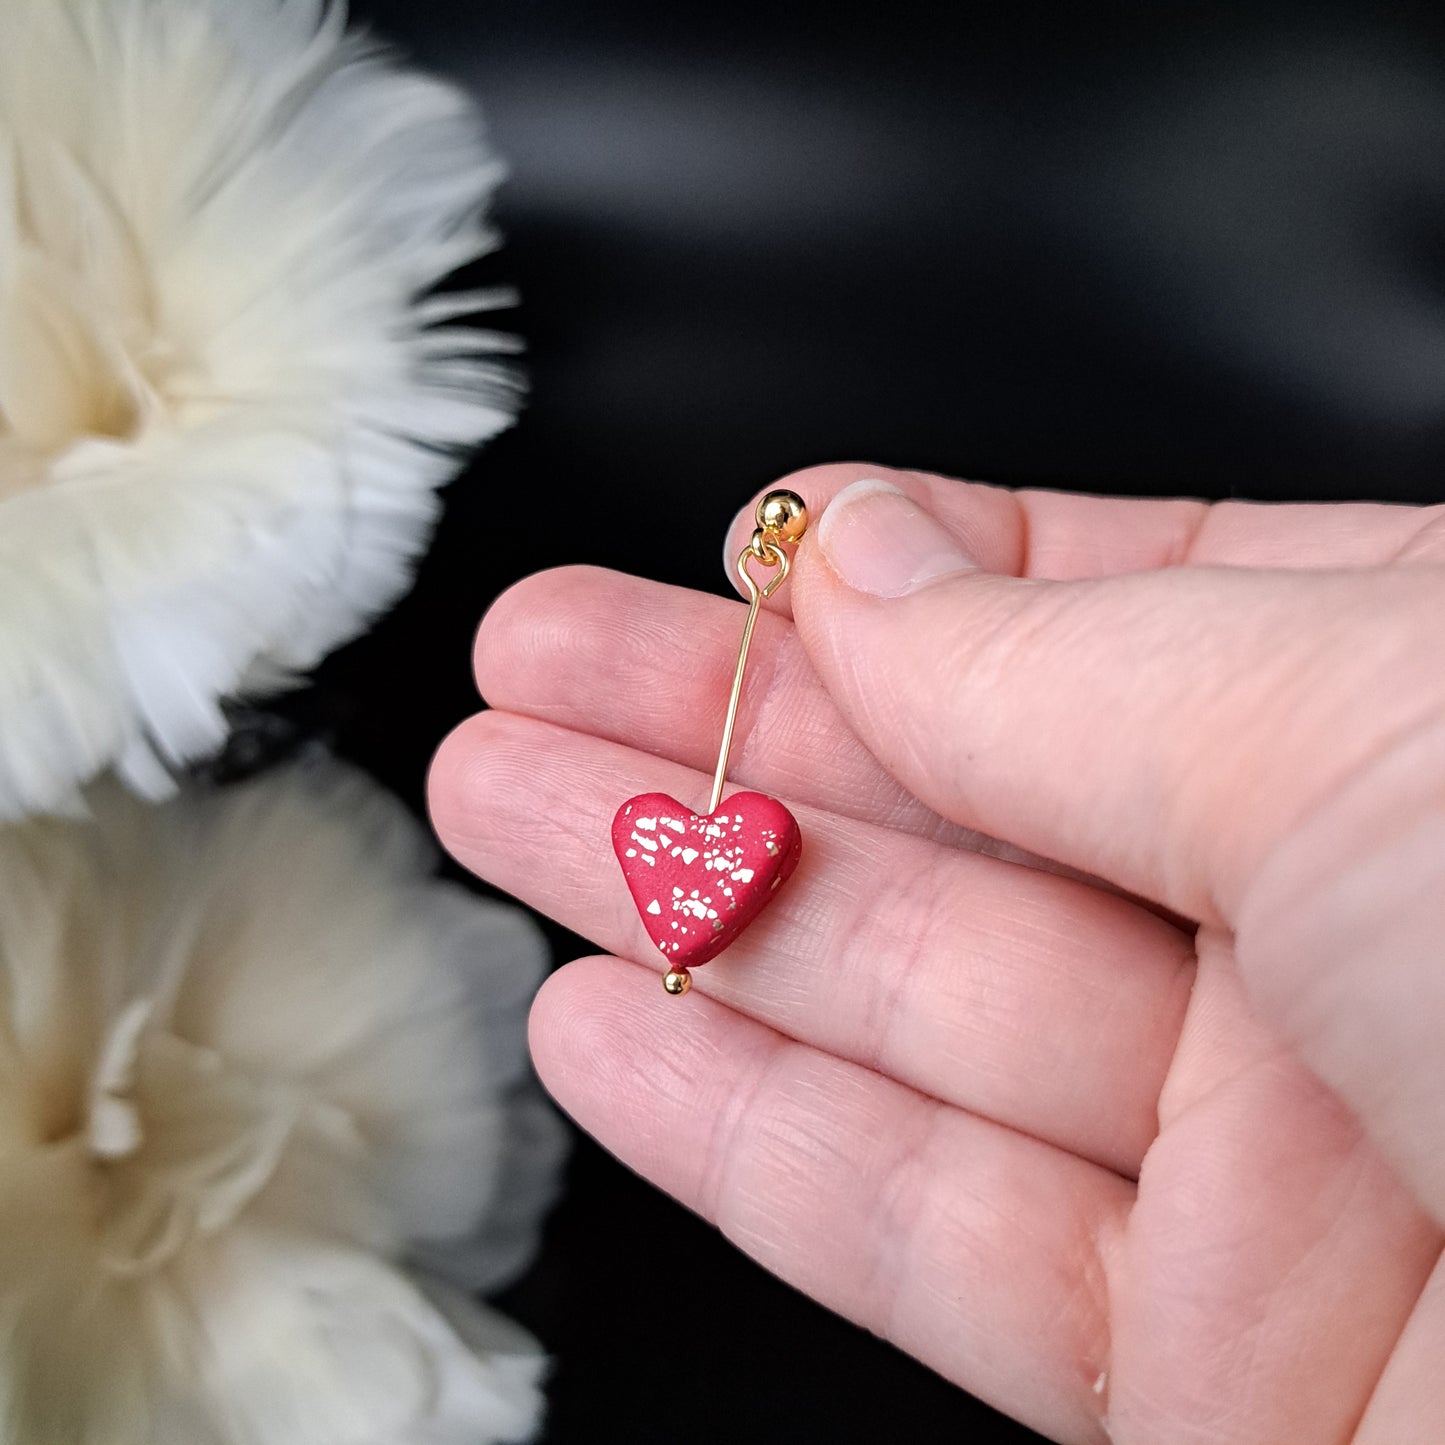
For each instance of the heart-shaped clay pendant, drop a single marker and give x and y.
(699, 879)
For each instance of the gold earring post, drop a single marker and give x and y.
(781, 517)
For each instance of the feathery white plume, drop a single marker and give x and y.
(225, 404)
(258, 1088)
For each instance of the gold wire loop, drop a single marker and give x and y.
(769, 554)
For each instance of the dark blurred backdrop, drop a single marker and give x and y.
(1174, 249)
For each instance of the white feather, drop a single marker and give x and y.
(261, 1086)
(225, 400)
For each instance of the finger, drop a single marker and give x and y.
(1411, 1392)
(1162, 730)
(1340, 941)
(652, 666)
(1003, 990)
(966, 1244)
(1062, 536)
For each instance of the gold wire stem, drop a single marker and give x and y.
(761, 549)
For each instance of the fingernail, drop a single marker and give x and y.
(881, 543)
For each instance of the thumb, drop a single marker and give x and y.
(1161, 729)
(1226, 741)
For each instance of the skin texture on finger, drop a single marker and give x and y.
(1065, 536)
(998, 988)
(966, 1244)
(1412, 1389)
(651, 666)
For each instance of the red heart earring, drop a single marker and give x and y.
(699, 879)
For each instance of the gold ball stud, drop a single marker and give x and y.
(783, 514)
(677, 981)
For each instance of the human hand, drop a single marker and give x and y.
(1123, 1178)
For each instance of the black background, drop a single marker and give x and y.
(1173, 249)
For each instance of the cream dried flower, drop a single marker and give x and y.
(224, 410)
(258, 1089)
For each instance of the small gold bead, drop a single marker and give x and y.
(677, 981)
(783, 514)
